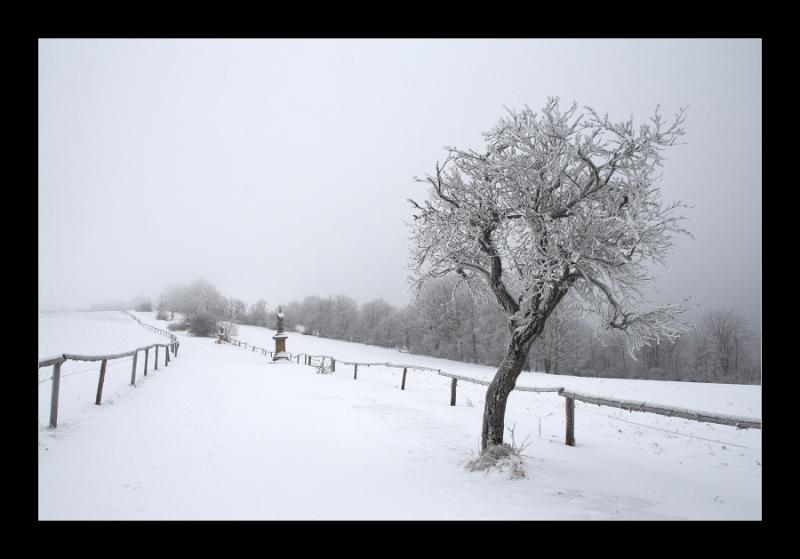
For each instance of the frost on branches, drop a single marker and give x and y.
(557, 203)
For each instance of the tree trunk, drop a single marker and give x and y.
(505, 379)
(474, 346)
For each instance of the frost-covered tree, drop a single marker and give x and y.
(557, 202)
(375, 324)
(344, 317)
(257, 314)
(726, 348)
(228, 329)
(236, 309)
(162, 309)
(142, 304)
(450, 323)
(560, 341)
(406, 327)
(198, 297)
(316, 315)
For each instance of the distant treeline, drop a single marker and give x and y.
(138, 303)
(445, 320)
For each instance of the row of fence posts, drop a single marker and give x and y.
(307, 361)
(56, 363)
(569, 398)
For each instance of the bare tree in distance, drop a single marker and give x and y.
(228, 329)
(557, 202)
(561, 340)
(258, 313)
(162, 309)
(727, 346)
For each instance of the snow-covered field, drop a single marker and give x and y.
(89, 333)
(222, 434)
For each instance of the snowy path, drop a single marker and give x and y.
(220, 434)
(218, 437)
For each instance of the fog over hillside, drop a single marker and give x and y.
(279, 169)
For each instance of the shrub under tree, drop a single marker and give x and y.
(203, 324)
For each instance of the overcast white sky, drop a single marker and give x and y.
(278, 169)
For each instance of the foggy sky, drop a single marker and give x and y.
(278, 169)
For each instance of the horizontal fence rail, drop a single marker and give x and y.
(683, 413)
(51, 361)
(487, 383)
(57, 361)
(309, 358)
(569, 396)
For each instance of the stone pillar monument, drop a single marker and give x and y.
(280, 336)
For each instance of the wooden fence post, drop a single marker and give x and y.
(54, 394)
(166, 356)
(403, 384)
(453, 391)
(146, 351)
(133, 369)
(570, 404)
(100, 382)
(155, 361)
(333, 365)
(355, 371)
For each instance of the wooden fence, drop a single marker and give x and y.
(569, 396)
(569, 405)
(56, 362)
(309, 359)
(261, 350)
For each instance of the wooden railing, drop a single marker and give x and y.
(152, 328)
(308, 358)
(57, 361)
(568, 395)
(263, 351)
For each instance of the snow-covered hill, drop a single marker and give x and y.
(222, 434)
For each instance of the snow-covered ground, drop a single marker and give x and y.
(89, 333)
(222, 434)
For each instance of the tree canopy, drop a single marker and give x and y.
(555, 202)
